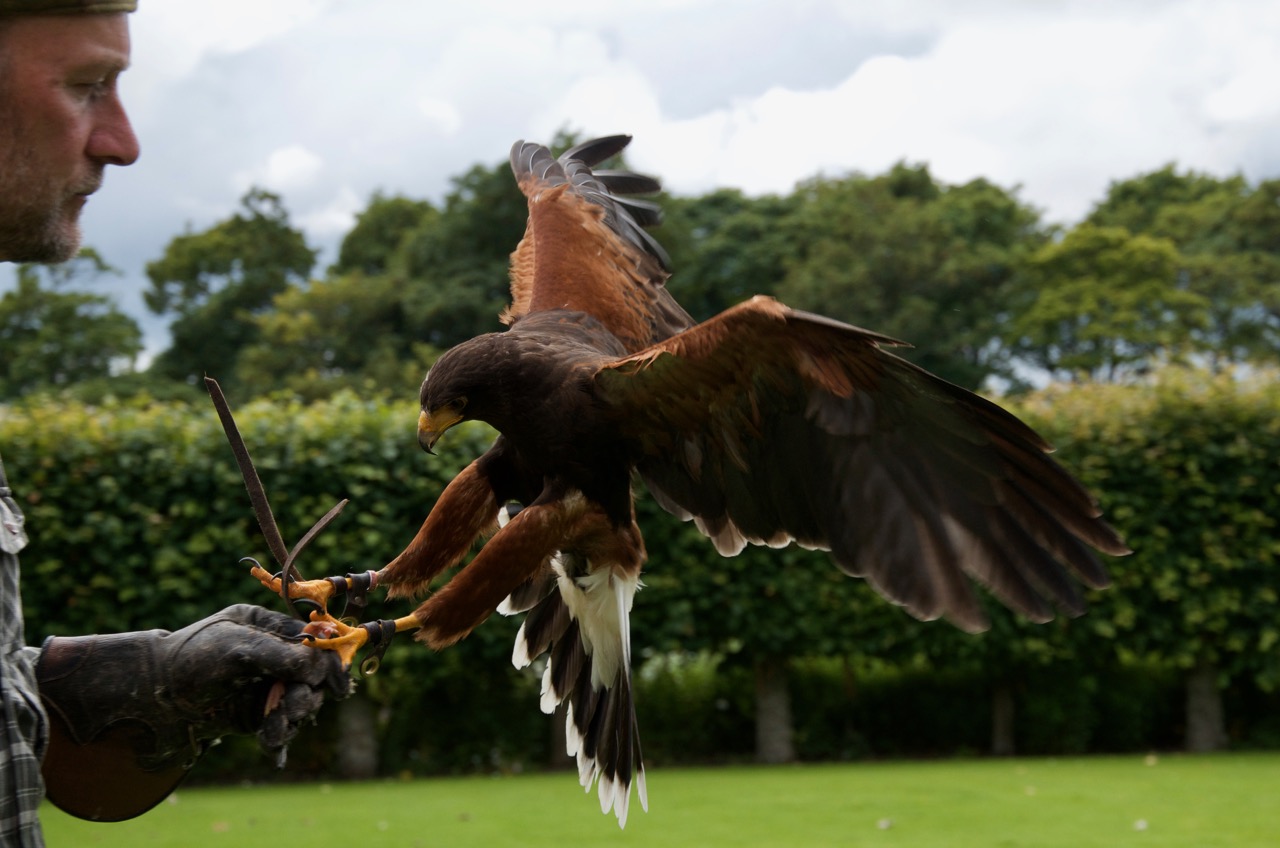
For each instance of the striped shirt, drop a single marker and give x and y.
(23, 726)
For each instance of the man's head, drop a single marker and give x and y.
(61, 119)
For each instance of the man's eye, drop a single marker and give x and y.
(92, 87)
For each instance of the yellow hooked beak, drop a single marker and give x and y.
(432, 426)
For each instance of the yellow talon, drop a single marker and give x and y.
(332, 635)
(317, 592)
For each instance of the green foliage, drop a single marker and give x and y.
(725, 247)
(138, 516)
(459, 711)
(928, 263)
(1187, 471)
(347, 331)
(215, 281)
(1228, 237)
(137, 511)
(54, 337)
(131, 386)
(410, 281)
(1169, 266)
(455, 264)
(693, 708)
(138, 519)
(1105, 303)
(380, 229)
(1160, 203)
(350, 329)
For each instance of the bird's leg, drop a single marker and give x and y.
(324, 630)
(354, 587)
(327, 633)
(466, 509)
(512, 556)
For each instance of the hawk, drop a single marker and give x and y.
(763, 425)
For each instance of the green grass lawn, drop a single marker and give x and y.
(1229, 800)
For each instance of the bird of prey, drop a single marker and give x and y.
(763, 425)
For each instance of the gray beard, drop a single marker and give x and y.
(31, 232)
(32, 221)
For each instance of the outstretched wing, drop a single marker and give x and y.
(585, 247)
(768, 425)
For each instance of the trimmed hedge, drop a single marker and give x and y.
(138, 518)
(1189, 469)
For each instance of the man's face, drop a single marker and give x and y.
(61, 124)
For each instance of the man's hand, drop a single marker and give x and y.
(234, 672)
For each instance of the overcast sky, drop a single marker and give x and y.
(327, 101)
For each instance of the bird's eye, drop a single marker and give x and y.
(458, 404)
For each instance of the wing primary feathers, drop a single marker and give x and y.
(805, 428)
(594, 151)
(626, 216)
(627, 182)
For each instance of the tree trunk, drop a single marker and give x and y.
(358, 730)
(1206, 727)
(773, 712)
(1002, 720)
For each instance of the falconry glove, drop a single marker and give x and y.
(143, 706)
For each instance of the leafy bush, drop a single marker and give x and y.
(138, 519)
(1188, 468)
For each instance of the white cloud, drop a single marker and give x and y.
(1059, 106)
(172, 39)
(333, 219)
(614, 99)
(327, 101)
(286, 169)
(441, 113)
(179, 34)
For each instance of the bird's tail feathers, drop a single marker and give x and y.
(584, 628)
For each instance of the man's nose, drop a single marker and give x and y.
(112, 140)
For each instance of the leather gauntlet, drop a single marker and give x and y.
(130, 713)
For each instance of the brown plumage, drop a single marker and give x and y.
(763, 424)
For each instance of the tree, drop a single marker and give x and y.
(1228, 237)
(928, 263)
(53, 337)
(216, 281)
(1105, 303)
(455, 264)
(725, 247)
(348, 330)
(1006, 659)
(410, 280)
(380, 229)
